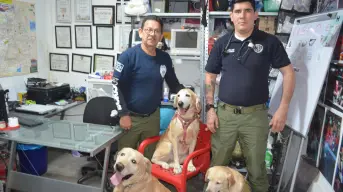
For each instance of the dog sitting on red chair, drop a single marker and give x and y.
(180, 138)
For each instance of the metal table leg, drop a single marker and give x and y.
(62, 115)
(105, 168)
(13, 153)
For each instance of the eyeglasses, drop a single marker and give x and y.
(151, 31)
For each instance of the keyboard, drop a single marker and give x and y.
(36, 108)
(29, 122)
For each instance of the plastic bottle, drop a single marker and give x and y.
(269, 156)
(166, 95)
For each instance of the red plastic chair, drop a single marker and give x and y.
(200, 156)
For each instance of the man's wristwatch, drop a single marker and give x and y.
(209, 106)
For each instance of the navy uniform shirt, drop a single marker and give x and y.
(138, 80)
(244, 80)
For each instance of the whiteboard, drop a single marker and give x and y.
(310, 48)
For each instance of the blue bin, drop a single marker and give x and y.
(166, 115)
(33, 159)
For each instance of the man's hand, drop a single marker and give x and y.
(212, 120)
(279, 120)
(125, 122)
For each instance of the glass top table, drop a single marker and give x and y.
(83, 137)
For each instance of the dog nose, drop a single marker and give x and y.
(180, 104)
(119, 167)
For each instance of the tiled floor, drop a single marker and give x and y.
(59, 169)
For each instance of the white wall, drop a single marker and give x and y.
(75, 78)
(17, 83)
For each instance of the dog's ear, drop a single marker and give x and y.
(147, 165)
(231, 180)
(207, 173)
(176, 98)
(198, 104)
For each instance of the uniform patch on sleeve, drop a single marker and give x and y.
(119, 67)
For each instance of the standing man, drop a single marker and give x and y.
(244, 56)
(137, 85)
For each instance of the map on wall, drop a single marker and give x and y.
(18, 46)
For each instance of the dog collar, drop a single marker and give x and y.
(185, 124)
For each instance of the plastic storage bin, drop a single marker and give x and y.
(271, 5)
(33, 159)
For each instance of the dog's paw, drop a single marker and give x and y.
(165, 165)
(177, 169)
(191, 167)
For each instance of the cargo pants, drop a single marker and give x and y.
(250, 126)
(142, 128)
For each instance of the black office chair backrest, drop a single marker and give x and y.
(98, 111)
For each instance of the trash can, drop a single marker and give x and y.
(33, 159)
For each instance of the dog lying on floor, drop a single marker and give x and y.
(225, 179)
(180, 138)
(133, 173)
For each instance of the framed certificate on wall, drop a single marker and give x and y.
(83, 11)
(104, 37)
(103, 15)
(83, 36)
(81, 63)
(103, 62)
(59, 62)
(63, 36)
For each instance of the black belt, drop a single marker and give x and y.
(134, 114)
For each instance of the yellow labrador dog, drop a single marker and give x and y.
(225, 179)
(133, 173)
(180, 138)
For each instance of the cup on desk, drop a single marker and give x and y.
(13, 122)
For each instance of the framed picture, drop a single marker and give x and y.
(63, 36)
(120, 13)
(104, 37)
(83, 36)
(59, 62)
(103, 62)
(103, 15)
(83, 11)
(81, 63)
(63, 11)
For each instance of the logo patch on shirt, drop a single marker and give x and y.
(163, 70)
(231, 50)
(118, 66)
(258, 48)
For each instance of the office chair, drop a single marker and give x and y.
(98, 111)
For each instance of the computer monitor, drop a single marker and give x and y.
(185, 42)
(135, 38)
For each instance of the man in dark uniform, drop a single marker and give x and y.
(244, 57)
(137, 85)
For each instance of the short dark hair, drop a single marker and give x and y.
(252, 2)
(154, 18)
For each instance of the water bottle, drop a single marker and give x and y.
(269, 156)
(166, 95)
